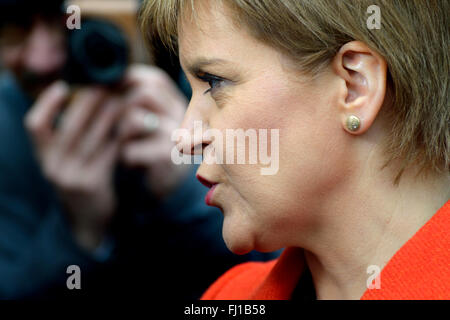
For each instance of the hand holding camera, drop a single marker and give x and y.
(101, 119)
(99, 128)
(78, 156)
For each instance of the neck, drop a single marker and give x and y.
(366, 223)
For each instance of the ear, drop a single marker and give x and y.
(363, 74)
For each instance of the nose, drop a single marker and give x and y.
(193, 139)
(44, 51)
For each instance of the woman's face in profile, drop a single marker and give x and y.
(241, 83)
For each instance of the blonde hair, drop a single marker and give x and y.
(413, 39)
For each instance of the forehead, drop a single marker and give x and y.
(206, 21)
(210, 34)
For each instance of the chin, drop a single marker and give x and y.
(237, 239)
(238, 249)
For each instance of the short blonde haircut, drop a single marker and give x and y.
(413, 39)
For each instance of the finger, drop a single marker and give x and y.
(138, 73)
(39, 120)
(150, 98)
(77, 117)
(107, 159)
(101, 129)
(155, 90)
(145, 152)
(138, 122)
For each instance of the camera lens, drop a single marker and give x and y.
(98, 53)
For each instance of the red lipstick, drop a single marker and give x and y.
(209, 195)
(210, 185)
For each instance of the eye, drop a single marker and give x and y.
(214, 81)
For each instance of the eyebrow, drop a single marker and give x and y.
(198, 64)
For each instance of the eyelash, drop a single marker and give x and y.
(213, 81)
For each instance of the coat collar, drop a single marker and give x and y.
(420, 269)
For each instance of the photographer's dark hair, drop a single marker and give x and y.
(21, 12)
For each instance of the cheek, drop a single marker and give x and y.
(258, 114)
(313, 158)
(310, 158)
(311, 163)
(267, 108)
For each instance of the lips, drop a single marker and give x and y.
(205, 182)
(208, 184)
(209, 195)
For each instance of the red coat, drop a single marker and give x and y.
(419, 270)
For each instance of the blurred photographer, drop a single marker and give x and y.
(86, 176)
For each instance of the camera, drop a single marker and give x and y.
(98, 53)
(106, 43)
